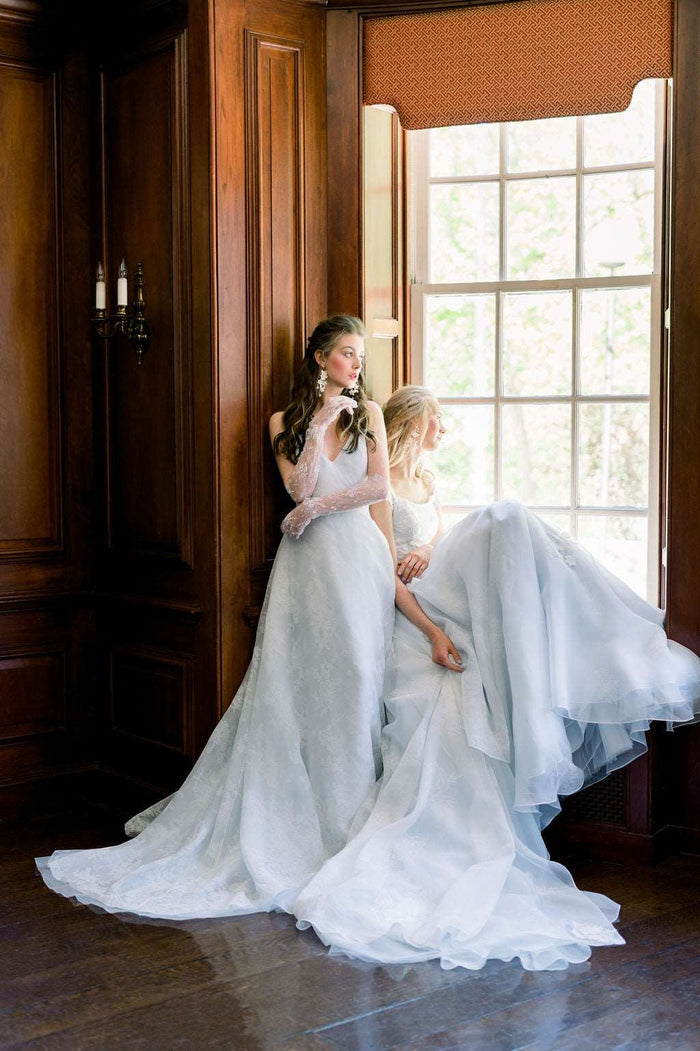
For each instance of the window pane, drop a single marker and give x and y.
(541, 234)
(622, 138)
(539, 145)
(460, 335)
(614, 455)
(537, 343)
(615, 337)
(557, 519)
(620, 544)
(464, 462)
(618, 212)
(464, 232)
(468, 150)
(536, 452)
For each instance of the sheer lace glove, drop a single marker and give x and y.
(369, 491)
(302, 480)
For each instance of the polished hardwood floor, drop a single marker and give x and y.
(78, 979)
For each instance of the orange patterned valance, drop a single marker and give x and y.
(517, 60)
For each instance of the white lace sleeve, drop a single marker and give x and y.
(369, 491)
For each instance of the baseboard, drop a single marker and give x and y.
(611, 843)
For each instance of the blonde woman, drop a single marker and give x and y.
(564, 668)
(413, 421)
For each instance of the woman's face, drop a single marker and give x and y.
(434, 430)
(345, 360)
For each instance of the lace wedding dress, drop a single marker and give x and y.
(565, 667)
(275, 790)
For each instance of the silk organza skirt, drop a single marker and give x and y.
(565, 667)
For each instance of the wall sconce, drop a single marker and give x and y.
(133, 325)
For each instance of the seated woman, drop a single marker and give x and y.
(564, 668)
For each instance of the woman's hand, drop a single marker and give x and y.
(444, 651)
(415, 563)
(331, 410)
(298, 518)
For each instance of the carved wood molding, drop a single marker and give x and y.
(274, 152)
(46, 692)
(152, 663)
(189, 612)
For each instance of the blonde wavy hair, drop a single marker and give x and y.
(408, 407)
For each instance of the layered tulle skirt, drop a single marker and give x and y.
(565, 667)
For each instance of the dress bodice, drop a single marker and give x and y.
(414, 523)
(348, 468)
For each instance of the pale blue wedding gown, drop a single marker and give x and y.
(565, 667)
(275, 790)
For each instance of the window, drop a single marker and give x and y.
(536, 319)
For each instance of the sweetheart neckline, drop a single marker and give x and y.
(418, 503)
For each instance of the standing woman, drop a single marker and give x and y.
(275, 790)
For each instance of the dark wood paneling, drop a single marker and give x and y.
(683, 407)
(271, 226)
(345, 155)
(32, 693)
(150, 447)
(31, 483)
(46, 486)
(151, 697)
(274, 101)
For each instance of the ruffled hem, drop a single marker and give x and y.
(280, 902)
(535, 951)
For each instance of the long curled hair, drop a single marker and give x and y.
(408, 407)
(305, 394)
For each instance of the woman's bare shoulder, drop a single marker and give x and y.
(375, 410)
(276, 423)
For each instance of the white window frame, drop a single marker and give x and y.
(419, 262)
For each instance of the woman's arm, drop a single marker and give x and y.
(372, 490)
(300, 478)
(444, 650)
(415, 563)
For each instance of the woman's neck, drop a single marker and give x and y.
(406, 471)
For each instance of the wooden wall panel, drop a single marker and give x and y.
(149, 435)
(151, 697)
(157, 590)
(683, 407)
(32, 693)
(274, 101)
(31, 482)
(46, 479)
(271, 227)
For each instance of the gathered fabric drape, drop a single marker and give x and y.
(519, 60)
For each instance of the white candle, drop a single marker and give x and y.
(100, 289)
(122, 290)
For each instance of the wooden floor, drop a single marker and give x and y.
(73, 978)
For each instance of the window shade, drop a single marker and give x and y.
(515, 61)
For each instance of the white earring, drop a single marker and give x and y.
(322, 381)
(412, 439)
(355, 388)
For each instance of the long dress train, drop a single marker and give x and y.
(565, 667)
(275, 790)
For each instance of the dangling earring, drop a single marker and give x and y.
(412, 440)
(355, 388)
(322, 381)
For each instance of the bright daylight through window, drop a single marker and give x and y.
(536, 319)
